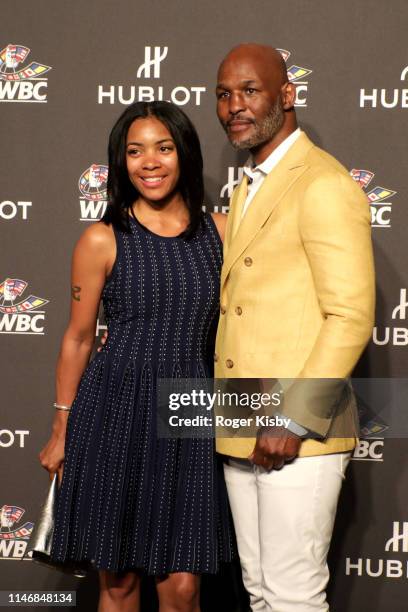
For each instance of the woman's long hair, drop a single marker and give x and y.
(122, 193)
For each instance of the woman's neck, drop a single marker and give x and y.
(172, 218)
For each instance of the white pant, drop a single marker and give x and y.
(284, 522)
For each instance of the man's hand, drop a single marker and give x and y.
(274, 446)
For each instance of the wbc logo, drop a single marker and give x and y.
(371, 443)
(21, 317)
(297, 75)
(378, 198)
(13, 538)
(92, 186)
(20, 83)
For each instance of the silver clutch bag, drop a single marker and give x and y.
(41, 538)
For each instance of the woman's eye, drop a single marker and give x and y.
(133, 151)
(166, 149)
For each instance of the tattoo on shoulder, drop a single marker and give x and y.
(75, 293)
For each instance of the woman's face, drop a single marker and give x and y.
(151, 159)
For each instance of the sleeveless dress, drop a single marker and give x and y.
(130, 500)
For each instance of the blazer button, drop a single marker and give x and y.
(223, 310)
(238, 310)
(215, 357)
(229, 363)
(248, 261)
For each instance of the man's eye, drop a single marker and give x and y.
(250, 90)
(222, 94)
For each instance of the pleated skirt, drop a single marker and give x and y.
(128, 499)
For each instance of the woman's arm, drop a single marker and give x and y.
(220, 221)
(93, 258)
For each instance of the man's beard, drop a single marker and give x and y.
(265, 130)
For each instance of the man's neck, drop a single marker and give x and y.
(259, 154)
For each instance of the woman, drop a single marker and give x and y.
(131, 503)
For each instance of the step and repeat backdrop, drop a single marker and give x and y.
(67, 70)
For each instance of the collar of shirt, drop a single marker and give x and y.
(255, 173)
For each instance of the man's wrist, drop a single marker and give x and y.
(294, 427)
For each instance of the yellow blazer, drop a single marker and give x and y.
(297, 288)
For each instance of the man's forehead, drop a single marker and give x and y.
(253, 62)
(238, 82)
(240, 71)
(247, 70)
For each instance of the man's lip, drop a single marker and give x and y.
(238, 125)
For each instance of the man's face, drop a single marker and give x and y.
(249, 102)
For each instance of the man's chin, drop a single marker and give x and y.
(241, 145)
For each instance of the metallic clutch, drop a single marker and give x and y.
(41, 538)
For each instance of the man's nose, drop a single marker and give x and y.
(236, 104)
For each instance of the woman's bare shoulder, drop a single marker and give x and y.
(97, 237)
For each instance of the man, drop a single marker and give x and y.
(297, 300)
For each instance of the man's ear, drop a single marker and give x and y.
(288, 95)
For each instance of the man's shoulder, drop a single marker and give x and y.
(320, 161)
(326, 175)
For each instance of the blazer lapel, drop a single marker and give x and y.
(275, 186)
(236, 205)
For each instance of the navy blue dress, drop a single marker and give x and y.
(128, 499)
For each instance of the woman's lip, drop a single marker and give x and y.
(155, 181)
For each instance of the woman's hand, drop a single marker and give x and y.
(102, 341)
(52, 455)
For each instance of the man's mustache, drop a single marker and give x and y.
(240, 119)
